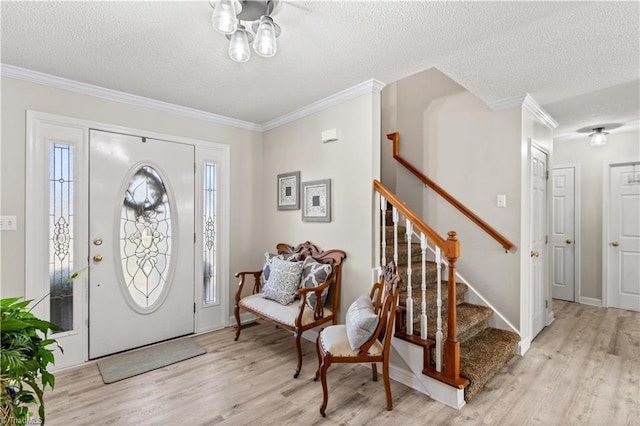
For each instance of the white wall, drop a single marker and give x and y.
(620, 146)
(351, 163)
(474, 154)
(18, 96)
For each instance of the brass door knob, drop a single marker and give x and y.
(615, 244)
(97, 241)
(569, 241)
(97, 258)
(535, 254)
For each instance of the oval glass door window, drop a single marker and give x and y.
(145, 237)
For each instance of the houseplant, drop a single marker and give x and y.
(24, 356)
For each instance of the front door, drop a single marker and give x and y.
(622, 247)
(538, 240)
(141, 248)
(563, 233)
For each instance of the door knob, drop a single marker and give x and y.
(535, 254)
(97, 241)
(615, 244)
(97, 258)
(569, 241)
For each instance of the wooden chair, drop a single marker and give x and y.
(332, 345)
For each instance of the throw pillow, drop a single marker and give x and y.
(284, 279)
(361, 322)
(266, 269)
(314, 273)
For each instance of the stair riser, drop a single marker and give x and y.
(389, 234)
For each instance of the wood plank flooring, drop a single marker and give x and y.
(583, 369)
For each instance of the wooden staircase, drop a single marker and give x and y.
(483, 350)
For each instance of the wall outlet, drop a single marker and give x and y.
(502, 201)
(7, 223)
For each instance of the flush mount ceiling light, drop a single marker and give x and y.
(598, 137)
(228, 17)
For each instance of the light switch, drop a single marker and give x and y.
(502, 200)
(7, 223)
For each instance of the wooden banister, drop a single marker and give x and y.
(451, 249)
(504, 242)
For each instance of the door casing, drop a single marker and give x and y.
(36, 270)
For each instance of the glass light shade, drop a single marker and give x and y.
(224, 18)
(598, 139)
(265, 41)
(239, 49)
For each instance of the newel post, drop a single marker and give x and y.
(451, 345)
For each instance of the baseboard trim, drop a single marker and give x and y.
(523, 346)
(591, 301)
(245, 318)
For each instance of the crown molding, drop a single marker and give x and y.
(369, 86)
(114, 95)
(530, 104)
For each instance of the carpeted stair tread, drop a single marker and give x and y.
(431, 272)
(482, 356)
(389, 233)
(431, 294)
(416, 254)
(472, 319)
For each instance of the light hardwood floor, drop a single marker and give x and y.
(583, 369)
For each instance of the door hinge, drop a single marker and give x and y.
(547, 174)
(546, 239)
(546, 304)
(194, 168)
(144, 140)
(194, 238)
(194, 307)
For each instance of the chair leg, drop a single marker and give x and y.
(387, 383)
(298, 345)
(325, 391)
(374, 371)
(319, 354)
(236, 312)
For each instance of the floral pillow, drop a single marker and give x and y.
(314, 273)
(283, 281)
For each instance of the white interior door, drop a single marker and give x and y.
(538, 240)
(563, 233)
(623, 242)
(141, 249)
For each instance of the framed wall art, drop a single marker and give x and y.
(316, 201)
(289, 191)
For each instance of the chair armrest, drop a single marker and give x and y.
(303, 293)
(256, 283)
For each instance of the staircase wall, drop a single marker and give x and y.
(475, 153)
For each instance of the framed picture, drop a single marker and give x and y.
(289, 191)
(316, 201)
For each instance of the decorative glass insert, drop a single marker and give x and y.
(61, 239)
(209, 233)
(145, 237)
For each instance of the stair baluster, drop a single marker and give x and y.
(439, 309)
(383, 209)
(423, 287)
(409, 301)
(396, 219)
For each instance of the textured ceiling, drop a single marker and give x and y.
(579, 60)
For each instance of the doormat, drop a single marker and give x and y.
(123, 366)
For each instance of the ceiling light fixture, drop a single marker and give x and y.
(227, 19)
(598, 137)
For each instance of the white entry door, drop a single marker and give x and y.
(563, 233)
(623, 242)
(538, 240)
(141, 248)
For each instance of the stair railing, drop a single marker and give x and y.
(504, 242)
(448, 351)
